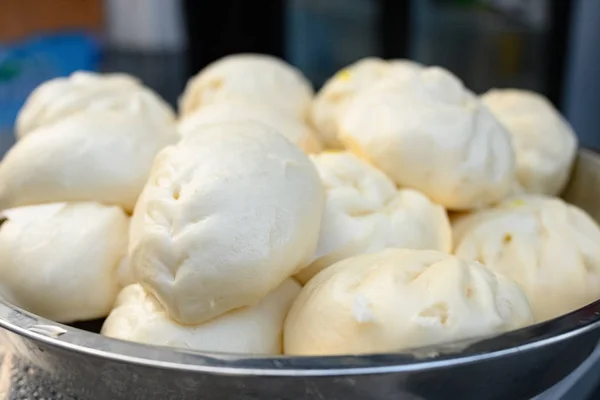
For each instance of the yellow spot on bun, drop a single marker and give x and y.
(344, 75)
(518, 203)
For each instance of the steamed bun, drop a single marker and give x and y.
(258, 329)
(398, 299)
(136, 225)
(545, 144)
(240, 110)
(430, 133)
(60, 260)
(102, 156)
(60, 98)
(256, 77)
(365, 213)
(547, 246)
(229, 214)
(336, 93)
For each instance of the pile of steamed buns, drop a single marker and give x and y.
(266, 219)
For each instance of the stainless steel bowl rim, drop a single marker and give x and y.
(448, 355)
(432, 357)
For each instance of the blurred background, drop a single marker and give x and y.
(544, 45)
(550, 46)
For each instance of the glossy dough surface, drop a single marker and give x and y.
(547, 246)
(430, 133)
(398, 299)
(102, 156)
(229, 214)
(336, 93)
(240, 110)
(139, 317)
(365, 213)
(60, 261)
(256, 77)
(60, 98)
(545, 144)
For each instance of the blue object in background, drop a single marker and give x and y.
(26, 64)
(310, 42)
(324, 36)
(582, 84)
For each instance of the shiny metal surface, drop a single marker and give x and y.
(515, 365)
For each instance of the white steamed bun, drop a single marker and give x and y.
(258, 329)
(62, 97)
(136, 225)
(60, 260)
(365, 213)
(398, 299)
(547, 246)
(430, 133)
(102, 156)
(336, 93)
(545, 144)
(257, 77)
(239, 110)
(229, 214)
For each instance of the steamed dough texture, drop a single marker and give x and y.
(398, 299)
(336, 93)
(229, 214)
(429, 133)
(257, 77)
(545, 144)
(547, 246)
(258, 329)
(60, 98)
(136, 228)
(102, 156)
(60, 261)
(240, 110)
(365, 213)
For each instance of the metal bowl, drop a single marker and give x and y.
(515, 365)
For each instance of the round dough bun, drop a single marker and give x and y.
(62, 97)
(399, 299)
(239, 110)
(102, 156)
(545, 144)
(60, 260)
(139, 317)
(547, 246)
(430, 133)
(229, 214)
(258, 77)
(365, 213)
(336, 93)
